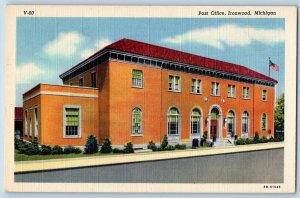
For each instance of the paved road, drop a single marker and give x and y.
(248, 167)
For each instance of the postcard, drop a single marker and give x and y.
(150, 99)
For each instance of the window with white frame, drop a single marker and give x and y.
(231, 91)
(195, 121)
(137, 119)
(264, 95)
(72, 121)
(137, 78)
(174, 83)
(246, 92)
(173, 121)
(81, 82)
(231, 123)
(26, 123)
(36, 122)
(94, 79)
(196, 86)
(215, 88)
(30, 127)
(245, 122)
(264, 122)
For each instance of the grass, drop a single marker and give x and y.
(23, 157)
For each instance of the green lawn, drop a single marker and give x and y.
(23, 157)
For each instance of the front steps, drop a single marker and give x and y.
(224, 142)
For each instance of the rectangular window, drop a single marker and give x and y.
(264, 95)
(137, 78)
(246, 92)
(174, 83)
(36, 123)
(81, 82)
(231, 91)
(215, 88)
(72, 121)
(196, 86)
(94, 79)
(26, 123)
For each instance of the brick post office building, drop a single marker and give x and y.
(138, 92)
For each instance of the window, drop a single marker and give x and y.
(231, 91)
(195, 121)
(245, 122)
(215, 88)
(196, 86)
(174, 83)
(36, 123)
(173, 121)
(30, 127)
(231, 123)
(81, 82)
(72, 121)
(246, 94)
(26, 123)
(137, 118)
(264, 122)
(264, 95)
(94, 79)
(137, 78)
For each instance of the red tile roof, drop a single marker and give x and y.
(18, 113)
(136, 47)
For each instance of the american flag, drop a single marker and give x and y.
(273, 66)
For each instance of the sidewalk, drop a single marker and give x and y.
(42, 165)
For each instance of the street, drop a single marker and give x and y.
(264, 166)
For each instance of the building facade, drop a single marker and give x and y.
(138, 92)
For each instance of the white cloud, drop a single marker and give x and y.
(27, 72)
(86, 53)
(99, 44)
(228, 34)
(65, 44)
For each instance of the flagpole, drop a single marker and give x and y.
(269, 66)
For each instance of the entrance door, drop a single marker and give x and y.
(213, 129)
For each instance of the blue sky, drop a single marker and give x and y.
(46, 47)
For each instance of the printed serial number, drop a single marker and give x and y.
(271, 186)
(28, 12)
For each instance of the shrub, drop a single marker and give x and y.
(116, 150)
(240, 142)
(211, 144)
(31, 150)
(72, 149)
(152, 146)
(235, 137)
(203, 139)
(19, 143)
(248, 141)
(271, 139)
(263, 140)
(128, 148)
(169, 148)
(35, 142)
(91, 145)
(57, 150)
(180, 146)
(256, 138)
(164, 142)
(279, 136)
(106, 147)
(45, 150)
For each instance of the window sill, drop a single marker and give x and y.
(174, 91)
(72, 137)
(265, 100)
(246, 98)
(231, 97)
(174, 135)
(215, 95)
(196, 93)
(136, 135)
(137, 87)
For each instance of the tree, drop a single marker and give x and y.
(91, 145)
(279, 114)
